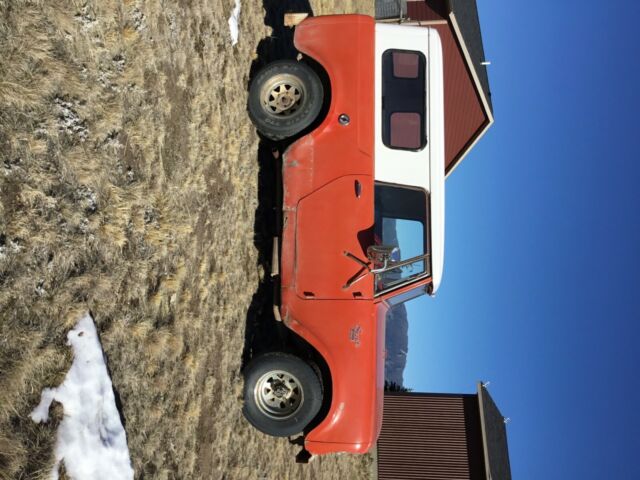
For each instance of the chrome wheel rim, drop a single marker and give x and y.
(278, 394)
(282, 95)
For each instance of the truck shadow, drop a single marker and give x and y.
(278, 45)
(263, 333)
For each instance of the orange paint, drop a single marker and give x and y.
(328, 207)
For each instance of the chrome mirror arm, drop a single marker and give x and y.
(362, 273)
(381, 269)
(387, 265)
(362, 263)
(365, 270)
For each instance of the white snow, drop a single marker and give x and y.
(69, 121)
(233, 23)
(91, 439)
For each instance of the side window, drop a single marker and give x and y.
(408, 236)
(400, 221)
(404, 99)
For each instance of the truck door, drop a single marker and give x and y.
(333, 220)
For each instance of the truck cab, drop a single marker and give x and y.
(362, 219)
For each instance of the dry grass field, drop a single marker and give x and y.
(132, 185)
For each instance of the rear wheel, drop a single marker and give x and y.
(282, 394)
(285, 97)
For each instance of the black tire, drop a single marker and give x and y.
(285, 416)
(285, 116)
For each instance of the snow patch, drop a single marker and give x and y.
(91, 439)
(86, 18)
(40, 291)
(119, 62)
(139, 22)
(69, 121)
(8, 247)
(88, 198)
(233, 23)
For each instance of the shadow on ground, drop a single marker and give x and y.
(263, 333)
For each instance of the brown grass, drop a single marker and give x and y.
(128, 186)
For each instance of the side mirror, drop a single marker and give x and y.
(382, 255)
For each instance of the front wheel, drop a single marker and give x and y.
(285, 97)
(282, 394)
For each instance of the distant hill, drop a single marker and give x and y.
(397, 344)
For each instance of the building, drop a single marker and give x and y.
(467, 96)
(431, 436)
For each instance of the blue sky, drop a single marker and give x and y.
(540, 293)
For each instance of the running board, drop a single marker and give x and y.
(275, 258)
(275, 272)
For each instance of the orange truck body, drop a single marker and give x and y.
(328, 208)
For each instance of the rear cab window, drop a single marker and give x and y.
(404, 100)
(401, 221)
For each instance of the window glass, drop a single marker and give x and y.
(405, 65)
(407, 296)
(404, 100)
(405, 130)
(400, 222)
(408, 236)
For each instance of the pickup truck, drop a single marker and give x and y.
(362, 225)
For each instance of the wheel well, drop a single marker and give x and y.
(303, 349)
(326, 100)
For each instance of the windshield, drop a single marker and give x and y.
(401, 219)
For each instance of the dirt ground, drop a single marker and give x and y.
(133, 185)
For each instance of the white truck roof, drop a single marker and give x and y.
(424, 168)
